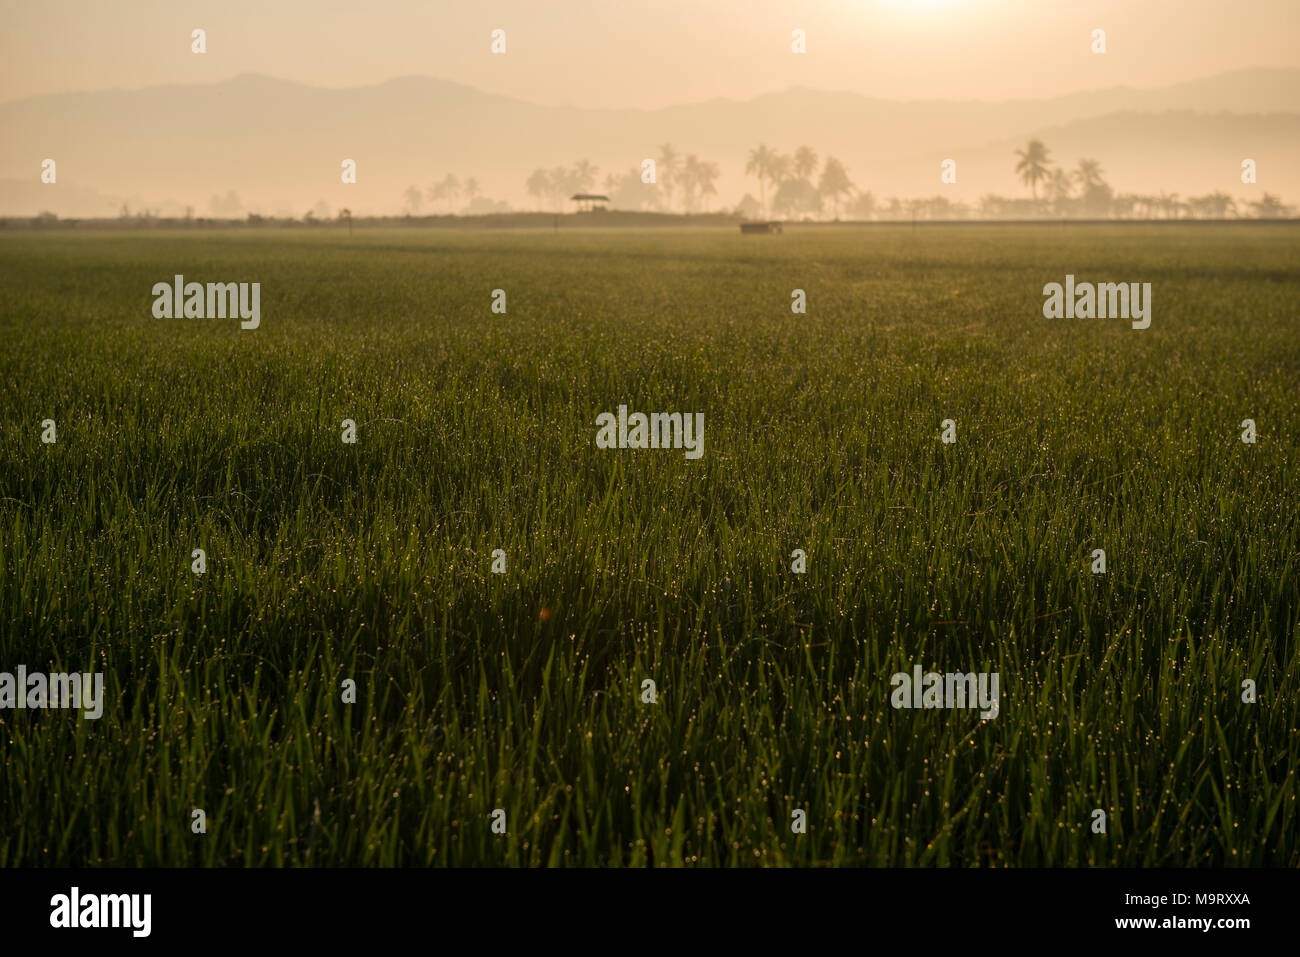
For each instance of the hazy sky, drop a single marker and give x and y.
(618, 53)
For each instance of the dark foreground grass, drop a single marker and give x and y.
(521, 691)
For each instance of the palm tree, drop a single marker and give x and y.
(448, 189)
(1033, 165)
(760, 165)
(1096, 196)
(698, 174)
(470, 189)
(805, 162)
(667, 170)
(834, 182)
(413, 197)
(1089, 174)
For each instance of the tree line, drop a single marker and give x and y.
(802, 185)
(1084, 192)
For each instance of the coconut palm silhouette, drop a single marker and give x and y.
(1033, 165)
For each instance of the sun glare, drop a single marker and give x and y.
(919, 6)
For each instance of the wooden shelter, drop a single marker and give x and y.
(590, 199)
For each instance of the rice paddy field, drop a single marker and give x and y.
(523, 691)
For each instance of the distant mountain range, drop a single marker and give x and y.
(279, 145)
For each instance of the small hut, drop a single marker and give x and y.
(587, 202)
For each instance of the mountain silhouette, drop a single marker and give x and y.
(278, 145)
